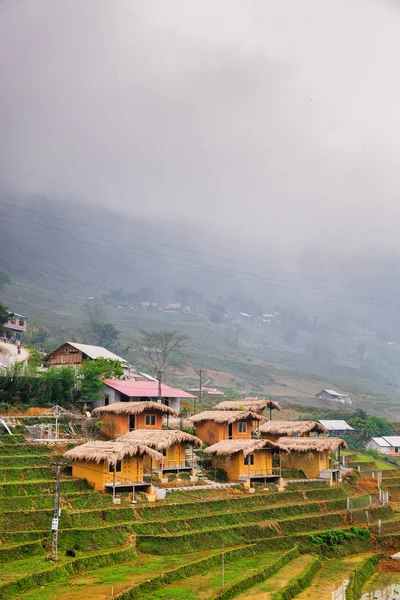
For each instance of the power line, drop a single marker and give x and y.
(165, 244)
(204, 266)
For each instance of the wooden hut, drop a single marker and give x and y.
(215, 425)
(253, 404)
(273, 430)
(313, 456)
(172, 444)
(244, 460)
(120, 418)
(111, 465)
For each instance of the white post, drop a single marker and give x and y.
(379, 527)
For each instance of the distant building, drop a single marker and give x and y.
(390, 444)
(175, 307)
(334, 396)
(207, 390)
(15, 327)
(73, 354)
(336, 427)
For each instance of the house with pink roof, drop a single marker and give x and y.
(116, 390)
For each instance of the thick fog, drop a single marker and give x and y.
(268, 120)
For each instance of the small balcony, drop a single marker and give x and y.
(173, 466)
(260, 473)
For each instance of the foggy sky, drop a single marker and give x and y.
(264, 119)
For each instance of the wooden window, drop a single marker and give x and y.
(249, 459)
(396, 449)
(117, 467)
(150, 419)
(164, 452)
(242, 427)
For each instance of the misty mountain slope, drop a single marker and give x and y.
(319, 327)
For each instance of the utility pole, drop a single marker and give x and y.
(159, 386)
(56, 515)
(200, 374)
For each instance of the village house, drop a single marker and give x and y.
(116, 390)
(176, 447)
(73, 354)
(15, 327)
(120, 418)
(388, 445)
(313, 456)
(254, 404)
(246, 460)
(213, 426)
(273, 430)
(111, 465)
(334, 396)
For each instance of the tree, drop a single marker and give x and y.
(4, 314)
(98, 330)
(93, 373)
(158, 348)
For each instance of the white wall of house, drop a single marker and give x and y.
(372, 445)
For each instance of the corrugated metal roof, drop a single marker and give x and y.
(381, 442)
(96, 351)
(146, 389)
(336, 425)
(393, 440)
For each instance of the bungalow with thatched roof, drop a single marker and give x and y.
(253, 404)
(244, 460)
(171, 443)
(273, 430)
(122, 417)
(215, 425)
(312, 455)
(111, 465)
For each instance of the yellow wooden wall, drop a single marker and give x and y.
(235, 466)
(211, 432)
(115, 425)
(312, 463)
(98, 474)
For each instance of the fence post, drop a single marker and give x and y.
(348, 503)
(367, 517)
(379, 527)
(370, 501)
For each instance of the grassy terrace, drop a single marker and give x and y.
(171, 549)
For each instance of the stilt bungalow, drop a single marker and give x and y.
(246, 460)
(176, 447)
(273, 430)
(253, 404)
(122, 417)
(215, 425)
(313, 456)
(111, 465)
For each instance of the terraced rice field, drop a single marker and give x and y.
(173, 549)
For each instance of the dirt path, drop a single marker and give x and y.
(9, 354)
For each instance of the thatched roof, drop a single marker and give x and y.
(134, 408)
(110, 452)
(309, 444)
(226, 416)
(247, 404)
(159, 439)
(291, 428)
(229, 447)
